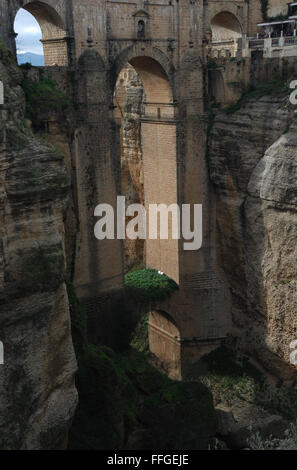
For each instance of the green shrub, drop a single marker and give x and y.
(139, 339)
(149, 284)
(42, 97)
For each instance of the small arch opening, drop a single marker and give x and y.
(225, 30)
(225, 26)
(28, 40)
(154, 78)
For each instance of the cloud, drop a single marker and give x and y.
(30, 30)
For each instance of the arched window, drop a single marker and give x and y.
(141, 29)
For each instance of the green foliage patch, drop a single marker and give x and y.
(139, 339)
(42, 96)
(149, 284)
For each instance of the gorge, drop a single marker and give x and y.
(172, 112)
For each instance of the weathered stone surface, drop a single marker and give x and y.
(256, 219)
(226, 421)
(129, 96)
(37, 390)
(237, 424)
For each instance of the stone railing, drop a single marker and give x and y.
(290, 41)
(281, 46)
(255, 43)
(226, 48)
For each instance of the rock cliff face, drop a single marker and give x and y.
(129, 98)
(37, 391)
(252, 162)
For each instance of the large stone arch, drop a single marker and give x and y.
(158, 148)
(54, 31)
(152, 53)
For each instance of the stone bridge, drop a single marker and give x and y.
(92, 40)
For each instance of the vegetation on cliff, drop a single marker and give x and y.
(139, 340)
(5, 54)
(42, 96)
(275, 87)
(230, 379)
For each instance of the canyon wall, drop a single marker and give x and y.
(252, 164)
(128, 100)
(37, 391)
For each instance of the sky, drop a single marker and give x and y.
(29, 33)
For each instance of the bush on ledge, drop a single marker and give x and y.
(150, 284)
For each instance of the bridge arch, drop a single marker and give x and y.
(129, 54)
(54, 34)
(154, 78)
(152, 148)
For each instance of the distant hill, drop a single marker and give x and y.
(34, 59)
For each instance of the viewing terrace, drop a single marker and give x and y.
(274, 38)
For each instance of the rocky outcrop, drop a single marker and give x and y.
(239, 423)
(252, 162)
(37, 391)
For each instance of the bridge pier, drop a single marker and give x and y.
(98, 264)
